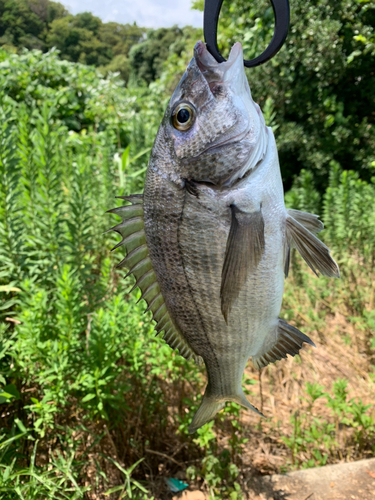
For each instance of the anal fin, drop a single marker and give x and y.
(285, 339)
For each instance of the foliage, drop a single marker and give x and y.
(76, 358)
(320, 437)
(84, 38)
(24, 23)
(319, 83)
(70, 313)
(348, 209)
(148, 58)
(91, 401)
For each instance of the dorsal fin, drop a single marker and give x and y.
(138, 261)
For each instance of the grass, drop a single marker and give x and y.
(93, 406)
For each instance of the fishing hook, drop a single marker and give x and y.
(211, 18)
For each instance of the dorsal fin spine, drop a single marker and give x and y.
(127, 223)
(163, 321)
(138, 266)
(160, 313)
(155, 302)
(132, 238)
(134, 256)
(167, 325)
(128, 211)
(154, 287)
(142, 279)
(139, 263)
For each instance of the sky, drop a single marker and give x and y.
(146, 13)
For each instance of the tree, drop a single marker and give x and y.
(84, 38)
(76, 37)
(149, 57)
(24, 23)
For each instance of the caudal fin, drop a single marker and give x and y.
(211, 405)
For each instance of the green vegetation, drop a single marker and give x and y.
(92, 404)
(320, 84)
(84, 38)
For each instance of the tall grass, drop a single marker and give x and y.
(91, 403)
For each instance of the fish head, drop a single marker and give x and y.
(214, 129)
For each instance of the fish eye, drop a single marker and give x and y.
(183, 116)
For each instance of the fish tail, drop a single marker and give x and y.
(241, 399)
(211, 405)
(206, 412)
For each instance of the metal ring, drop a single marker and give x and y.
(211, 18)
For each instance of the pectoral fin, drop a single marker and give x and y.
(310, 221)
(314, 252)
(245, 247)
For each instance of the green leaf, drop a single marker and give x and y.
(5, 443)
(20, 425)
(138, 155)
(125, 158)
(9, 288)
(88, 397)
(115, 489)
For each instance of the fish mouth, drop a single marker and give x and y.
(213, 71)
(228, 80)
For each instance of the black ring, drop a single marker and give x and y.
(211, 18)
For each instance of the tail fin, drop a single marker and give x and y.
(211, 405)
(206, 412)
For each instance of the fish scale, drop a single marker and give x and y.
(209, 242)
(162, 239)
(253, 303)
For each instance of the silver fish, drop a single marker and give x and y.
(209, 242)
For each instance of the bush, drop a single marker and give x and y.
(91, 401)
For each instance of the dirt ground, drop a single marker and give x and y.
(281, 392)
(348, 481)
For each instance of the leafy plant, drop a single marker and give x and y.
(91, 401)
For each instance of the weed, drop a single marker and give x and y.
(91, 402)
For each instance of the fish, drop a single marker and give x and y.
(210, 238)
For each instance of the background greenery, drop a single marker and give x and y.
(90, 401)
